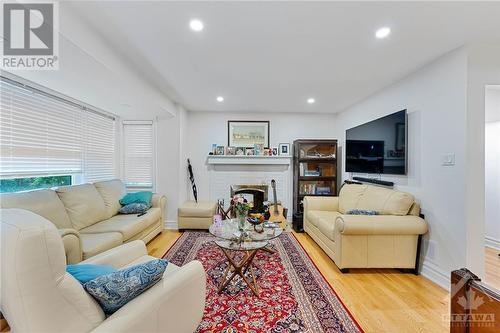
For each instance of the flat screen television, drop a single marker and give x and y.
(379, 146)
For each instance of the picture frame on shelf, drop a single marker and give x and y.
(231, 151)
(220, 150)
(240, 151)
(275, 151)
(258, 149)
(284, 149)
(249, 152)
(247, 133)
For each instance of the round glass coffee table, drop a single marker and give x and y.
(232, 241)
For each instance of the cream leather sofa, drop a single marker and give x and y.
(87, 216)
(38, 295)
(388, 240)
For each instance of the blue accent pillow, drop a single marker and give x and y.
(361, 212)
(134, 208)
(112, 291)
(144, 197)
(87, 272)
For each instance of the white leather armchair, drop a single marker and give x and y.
(37, 295)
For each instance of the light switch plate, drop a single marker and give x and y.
(448, 159)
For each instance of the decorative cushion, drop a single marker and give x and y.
(134, 208)
(144, 197)
(349, 196)
(385, 201)
(361, 212)
(114, 290)
(87, 272)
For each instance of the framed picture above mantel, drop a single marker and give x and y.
(247, 134)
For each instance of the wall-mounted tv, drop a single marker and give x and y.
(379, 146)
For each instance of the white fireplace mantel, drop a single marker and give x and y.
(259, 160)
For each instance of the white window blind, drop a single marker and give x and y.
(43, 134)
(100, 157)
(138, 153)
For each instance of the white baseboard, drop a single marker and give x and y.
(492, 243)
(171, 225)
(434, 273)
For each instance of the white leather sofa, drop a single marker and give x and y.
(388, 240)
(87, 216)
(38, 295)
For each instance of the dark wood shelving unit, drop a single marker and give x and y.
(318, 157)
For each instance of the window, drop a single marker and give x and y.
(32, 183)
(138, 153)
(43, 134)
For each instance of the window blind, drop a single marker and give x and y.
(42, 134)
(100, 157)
(138, 153)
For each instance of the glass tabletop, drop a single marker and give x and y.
(228, 230)
(236, 245)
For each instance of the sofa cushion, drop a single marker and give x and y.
(93, 244)
(83, 203)
(197, 209)
(326, 226)
(349, 196)
(45, 203)
(385, 201)
(111, 192)
(315, 215)
(114, 290)
(127, 225)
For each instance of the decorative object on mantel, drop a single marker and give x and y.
(240, 151)
(220, 150)
(231, 151)
(247, 133)
(191, 177)
(275, 151)
(284, 149)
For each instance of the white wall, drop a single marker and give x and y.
(483, 70)
(205, 128)
(492, 186)
(435, 98)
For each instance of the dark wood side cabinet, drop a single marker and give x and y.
(314, 173)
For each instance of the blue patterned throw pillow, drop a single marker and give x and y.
(134, 208)
(361, 212)
(114, 290)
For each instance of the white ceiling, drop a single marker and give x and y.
(272, 56)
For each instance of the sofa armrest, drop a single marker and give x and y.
(380, 225)
(119, 256)
(159, 200)
(72, 245)
(321, 203)
(175, 304)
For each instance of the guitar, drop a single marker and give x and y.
(276, 210)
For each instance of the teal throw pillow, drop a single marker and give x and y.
(137, 197)
(114, 290)
(87, 272)
(134, 208)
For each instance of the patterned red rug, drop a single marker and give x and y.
(294, 296)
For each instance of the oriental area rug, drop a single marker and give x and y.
(293, 295)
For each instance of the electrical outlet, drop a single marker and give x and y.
(448, 159)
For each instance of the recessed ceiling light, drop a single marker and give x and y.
(311, 101)
(383, 32)
(196, 25)
(220, 99)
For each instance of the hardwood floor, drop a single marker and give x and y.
(492, 268)
(380, 300)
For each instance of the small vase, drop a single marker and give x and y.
(241, 221)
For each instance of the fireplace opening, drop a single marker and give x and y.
(255, 194)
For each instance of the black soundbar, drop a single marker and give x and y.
(374, 181)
